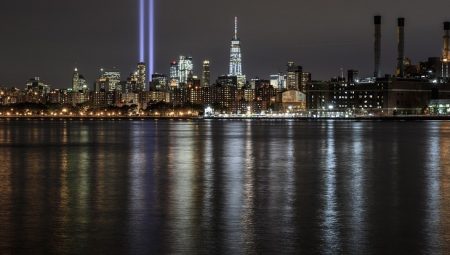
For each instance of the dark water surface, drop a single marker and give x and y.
(152, 187)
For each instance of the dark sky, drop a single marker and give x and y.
(49, 38)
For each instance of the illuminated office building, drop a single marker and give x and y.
(236, 57)
(293, 77)
(235, 53)
(185, 67)
(79, 83)
(141, 76)
(108, 81)
(174, 78)
(278, 81)
(206, 76)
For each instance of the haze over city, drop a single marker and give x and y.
(49, 38)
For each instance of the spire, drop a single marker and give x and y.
(235, 52)
(235, 28)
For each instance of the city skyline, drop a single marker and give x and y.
(423, 36)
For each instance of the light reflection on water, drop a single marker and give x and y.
(330, 217)
(151, 187)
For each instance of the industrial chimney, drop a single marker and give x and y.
(377, 23)
(446, 51)
(401, 47)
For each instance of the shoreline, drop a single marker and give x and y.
(103, 118)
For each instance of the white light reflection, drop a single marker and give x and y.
(208, 173)
(330, 216)
(137, 199)
(289, 188)
(182, 207)
(248, 218)
(358, 218)
(433, 176)
(282, 183)
(234, 162)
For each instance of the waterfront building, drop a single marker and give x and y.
(129, 99)
(150, 97)
(103, 99)
(75, 97)
(11, 96)
(341, 94)
(293, 101)
(318, 95)
(36, 91)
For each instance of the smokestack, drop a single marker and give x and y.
(401, 47)
(446, 51)
(377, 23)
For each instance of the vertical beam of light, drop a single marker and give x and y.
(141, 31)
(151, 27)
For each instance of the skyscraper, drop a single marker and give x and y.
(108, 81)
(174, 78)
(79, 83)
(278, 81)
(185, 67)
(206, 76)
(235, 53)
(141, 76)
(236, 57)
(294, 76)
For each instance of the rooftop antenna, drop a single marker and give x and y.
(235, 27)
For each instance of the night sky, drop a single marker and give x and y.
(48, 38)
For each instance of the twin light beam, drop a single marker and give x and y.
(150, 20)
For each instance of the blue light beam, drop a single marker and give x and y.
(141, 31)
(151, 27)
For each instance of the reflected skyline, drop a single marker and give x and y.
(140, 187)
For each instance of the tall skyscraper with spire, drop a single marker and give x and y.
(236, 57)
(235, 53)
